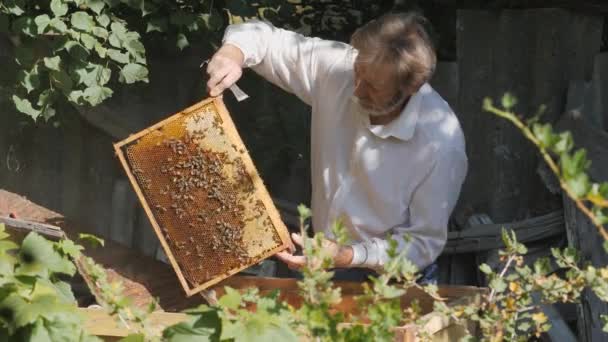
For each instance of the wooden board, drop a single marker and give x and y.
(582, 234)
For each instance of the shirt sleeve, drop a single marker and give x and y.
(430, 209)
(296, 63)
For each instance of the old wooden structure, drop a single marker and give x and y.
(551, 56)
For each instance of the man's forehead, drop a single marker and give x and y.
(376, 72)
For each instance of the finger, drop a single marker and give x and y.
(216, 78)
(225, 83)
(297, 238)
(291, 259)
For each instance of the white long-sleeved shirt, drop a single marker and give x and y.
(391, 180)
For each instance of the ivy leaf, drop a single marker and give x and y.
(95, 5)
(42, 22)
(59, 8)
(29, 80)
(58, 25)
(103, 20)
(15, 7)
(52, 63)
(158, 24)
(76, 50)
(61, 80)
(135, 48)
(97, 94)
(88, 41)
(25, 107)
(100, 32)
(182, 41)
(115, 40)
(82, 21)
(25, 25)
(118, 56)
(101, 51)
(132, 73)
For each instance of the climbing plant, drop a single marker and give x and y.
(81, 51)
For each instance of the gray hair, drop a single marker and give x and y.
(399, 39)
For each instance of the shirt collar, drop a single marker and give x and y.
(404, 125)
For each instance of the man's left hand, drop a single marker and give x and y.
(342, 255)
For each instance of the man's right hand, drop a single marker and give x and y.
(224, 69)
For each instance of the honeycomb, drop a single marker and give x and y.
(203, 195)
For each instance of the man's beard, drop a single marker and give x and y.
(365, 109)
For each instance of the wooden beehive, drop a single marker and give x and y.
(203, 195)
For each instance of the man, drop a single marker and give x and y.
(388, 154)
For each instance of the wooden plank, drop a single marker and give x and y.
(600, 89)
(483, 237)
(30, 226)
(581, 233)
(99, 323)
(533, 54)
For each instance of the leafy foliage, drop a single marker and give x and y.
(35, 303)
(80, 51)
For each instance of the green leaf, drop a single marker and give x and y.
(498, 284)
(230, 300)
(205, 325)
(75, 96)
(25, 107)
(52, 63)
(118, 56)
(304, 212)
(100, 32)
(132, 73)
(68, 247)
(29, 80)
(103, 20)
(37, 256)
(61, 80)
(508, 101)
(115, 40)
(76, 50)
(579, 184)
(182, 41)
(97, 94)
(82, 21)
(25, 25)
(564, 144)
(485, 268)
(95, 5)
(135, 48)
(59, 8)
(42, 22)
(58, 25)
(15, 7)
(158, 24)
(101, 51)
(88, 41)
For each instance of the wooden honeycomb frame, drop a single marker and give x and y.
(141, 156)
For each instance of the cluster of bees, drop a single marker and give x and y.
(202, 198)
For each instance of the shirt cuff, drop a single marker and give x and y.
(248, 60)
(359, 255)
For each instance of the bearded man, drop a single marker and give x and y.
(387, 152)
